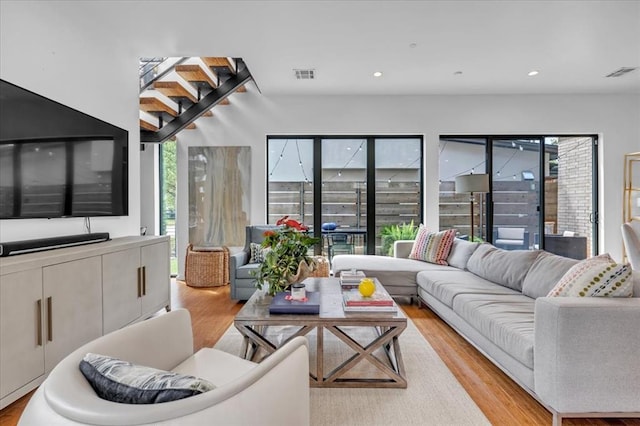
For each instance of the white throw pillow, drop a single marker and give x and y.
(596, 276)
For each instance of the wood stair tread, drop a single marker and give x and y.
(148, 126)
(219, 62)
(153, 104)
(194, 73)
(173, 89)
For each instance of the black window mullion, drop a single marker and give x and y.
(542, 213)
(317, 192)
(595, 218)
(488, 146)
(371, 196)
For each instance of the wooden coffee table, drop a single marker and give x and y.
(254, 320)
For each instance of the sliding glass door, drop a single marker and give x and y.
(543, 191)
(290, 179)
(515, 193)
(326, 180)
(398, 171)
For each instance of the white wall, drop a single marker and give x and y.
(85, 55)
(41, 50)
(252, 116)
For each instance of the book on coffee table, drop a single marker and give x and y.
(378, 298)
(365, 309)
(351, 277)
(280, 305)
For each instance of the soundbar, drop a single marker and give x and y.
(42, 244)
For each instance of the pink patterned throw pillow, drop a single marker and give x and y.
(596, 276)
(432, 247)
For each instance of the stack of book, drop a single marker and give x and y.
(377, 302)
(350, 279)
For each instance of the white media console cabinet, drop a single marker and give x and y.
(52, 302)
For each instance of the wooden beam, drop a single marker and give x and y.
(207, 114)
(174, 89)
(241, 89)
(195, 73)
(148, 126)
(225, 101)
(190, 126)
(153, 104)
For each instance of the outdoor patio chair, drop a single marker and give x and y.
(340, 243)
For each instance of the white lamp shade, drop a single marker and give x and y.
(472, 183)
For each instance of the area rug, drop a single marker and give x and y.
(433, 395)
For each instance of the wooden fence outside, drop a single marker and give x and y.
(345, 203)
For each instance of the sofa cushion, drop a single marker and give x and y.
(545, 273)
(504, 267)
(596, 276)
(507, 321)
(363, 262)
(446, 285)
(257, 252)
(247, 271)
(121, 381)
(432, 247)
(461, 251)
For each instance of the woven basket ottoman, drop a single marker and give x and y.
(206, 266)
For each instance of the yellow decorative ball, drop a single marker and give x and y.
(367, 287)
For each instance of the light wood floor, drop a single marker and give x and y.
(499, 398)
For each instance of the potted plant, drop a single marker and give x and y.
(286, 259)
(391, 233)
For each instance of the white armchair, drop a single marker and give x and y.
(274, 392)
(631, 238)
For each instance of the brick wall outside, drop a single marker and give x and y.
(574, 186)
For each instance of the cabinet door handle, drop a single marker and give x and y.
(39, 319)
(139, 282)
(49, 319)
(144, 280)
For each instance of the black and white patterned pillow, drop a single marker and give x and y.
(258, 252)
(121, 381)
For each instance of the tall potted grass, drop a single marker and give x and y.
(391, 233)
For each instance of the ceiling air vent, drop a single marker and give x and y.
(622, 71)
(305, 74)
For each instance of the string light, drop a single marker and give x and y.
(406, 167)
(306, 179)
(348, 161)
(280, 157)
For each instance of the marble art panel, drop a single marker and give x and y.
(219, 198)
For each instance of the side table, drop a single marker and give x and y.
(206, 266)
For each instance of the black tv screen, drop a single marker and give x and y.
(56, 161)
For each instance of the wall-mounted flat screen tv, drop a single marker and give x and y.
(56, 161)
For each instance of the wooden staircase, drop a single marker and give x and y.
(175, 92)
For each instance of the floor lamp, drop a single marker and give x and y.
(470, 184)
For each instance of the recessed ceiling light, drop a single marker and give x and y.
(413, 45)
(457, 73)
(532, 73)
(377, 74)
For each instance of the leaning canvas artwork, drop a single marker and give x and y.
(219, 195)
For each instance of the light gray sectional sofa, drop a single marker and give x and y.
(579, 357)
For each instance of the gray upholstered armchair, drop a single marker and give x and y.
(243, 284)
